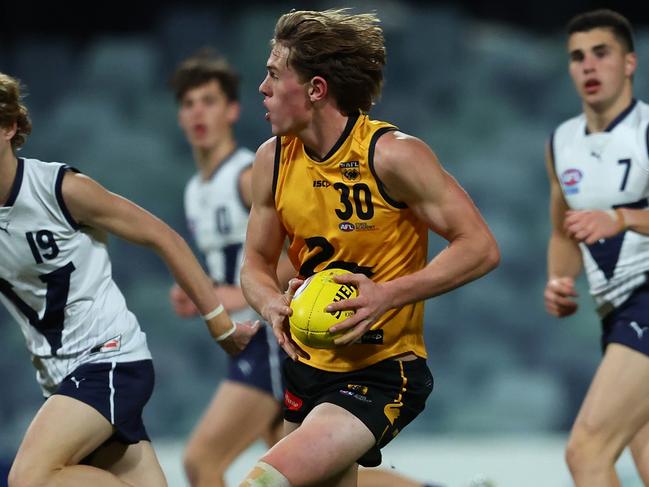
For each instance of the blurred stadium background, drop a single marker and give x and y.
(483, 84)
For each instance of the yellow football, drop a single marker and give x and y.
(310, 322)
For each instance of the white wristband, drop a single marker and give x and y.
(225, 335)
(617, 215)
(214, 313)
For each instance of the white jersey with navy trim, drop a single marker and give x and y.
(55, 279)
(606, 170)
(218, 218)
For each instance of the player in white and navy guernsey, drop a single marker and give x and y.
(604, 171)
(246, 406)
(91, 356)
(598, 164)
(217, 215)
(52, 276)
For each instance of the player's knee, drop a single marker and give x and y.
(588, 448)
(191, 470)
(199, 464)
(265, 475)
(572, 456)
(22, 475)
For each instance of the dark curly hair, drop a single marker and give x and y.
(203, 67)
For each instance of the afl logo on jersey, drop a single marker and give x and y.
(347, 227)
(570, 179)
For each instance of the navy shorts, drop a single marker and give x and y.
(118, 390)
(628, 324)
(385, 396)
(259, 365)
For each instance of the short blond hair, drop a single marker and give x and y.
(13, 111)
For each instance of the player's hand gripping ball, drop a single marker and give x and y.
(310, 322)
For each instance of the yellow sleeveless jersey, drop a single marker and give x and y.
(338, 215)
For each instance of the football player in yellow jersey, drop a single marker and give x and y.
(372, 189)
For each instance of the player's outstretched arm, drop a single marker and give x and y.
(564, 256)
(412, 174)
(264, 241)
(92, 205)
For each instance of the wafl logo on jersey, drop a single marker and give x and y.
(570, 179)
(350, 170)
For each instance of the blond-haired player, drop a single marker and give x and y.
(354, 193)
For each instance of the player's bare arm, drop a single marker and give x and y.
(264, 242)
(92, 205)
(230, 296)
(589, 226)
(285, 270)
(412, 174)
(245, 187)
(564, 256)
(632, 219)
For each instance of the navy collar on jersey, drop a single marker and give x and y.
(18, 180)
(225, 160)
(351, 121)
(619, 118)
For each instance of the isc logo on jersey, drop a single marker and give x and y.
(310, 322)
(570, 179)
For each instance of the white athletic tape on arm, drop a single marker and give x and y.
(214, 313)
(223, 336)
(618, 217)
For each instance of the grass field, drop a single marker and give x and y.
(519, 461)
